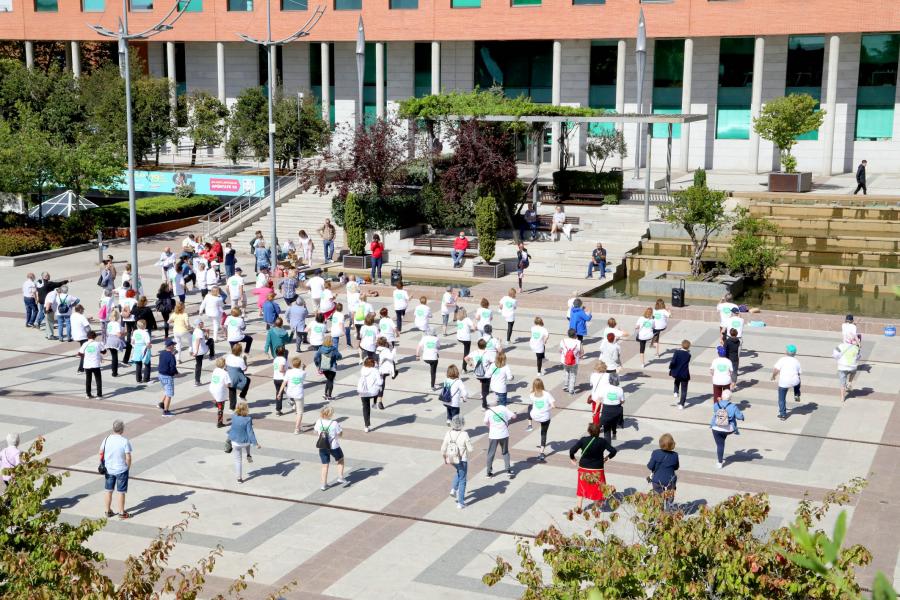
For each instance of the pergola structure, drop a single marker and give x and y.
(617, 119)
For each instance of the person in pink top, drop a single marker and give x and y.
(460, 245)
(262, 293)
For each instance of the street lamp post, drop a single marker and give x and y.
(641, 56)
(269, 44)
(360, 70)
(123, 37)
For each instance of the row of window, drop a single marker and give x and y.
(247, 5)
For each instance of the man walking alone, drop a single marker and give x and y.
(861, 178)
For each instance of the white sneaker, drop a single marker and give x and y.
(675, 396)
(340, 480)
(366, 429)
(452, 493)
(681, 407)
(530, 428)
(719, 465)
(324, 487)
(460, 506)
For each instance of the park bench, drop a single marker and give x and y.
(544, 222)
(440, 245)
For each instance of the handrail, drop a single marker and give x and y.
(239, 208)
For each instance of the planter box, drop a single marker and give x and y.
(490, 270)
(357, 262)
(156, 228)
(790, 182)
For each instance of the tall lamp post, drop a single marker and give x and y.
(123, 37)
(269, 44)
(360, 70)
(641, 56)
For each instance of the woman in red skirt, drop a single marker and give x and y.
(595, 451)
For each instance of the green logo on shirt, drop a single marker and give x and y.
(91, 349)
(460, 325)
(612, 396)
(539, 404)
(647, 324)
(216, 379)
(296, 380)
(431, 345)
(497, 419)
(535, 335)
(509, 304)
(722, 368)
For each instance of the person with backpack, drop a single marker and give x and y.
(570, 353)
(595, 451)
(386, 357)
(464, 329)
(455, 449)
(508, 306)
(452, 393)
(538, 342)
(427, 351)
(787, 371)
(401, 302)
(294, 379)
(500, 377)
(326, 359)
(328, 443)
(141, 352)
(368, 388)
(847, 356)
(63, 305)
(481, 366)
(643, 332)
(91, 354)
(724, 423)
(498, 418)
(662, 465)
(720, 369)
(542, 404)
(680, 372)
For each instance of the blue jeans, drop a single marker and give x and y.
(41, 315)
(376, 265)
(328, 248)
(601, 267)
(31, 311)
(457, 256)
(64, 324)
(720, 437)
(532, 227)
(782, 398)
(347, 335)
(335, 341)
(229, 270)
(459, 481)
(501, 398)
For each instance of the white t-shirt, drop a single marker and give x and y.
(661, 318)
(644, 328)
(334, 431)
(235, 361)
(613, 330)
(80, 326)
(500, 376)
(612, 395)
(493, 345)
(212, 306)
(234, 283)
(114, 449)
(564, 346)
(497, 419)
(114, 330)
(326, 302)
(279, 366)
(92, 354)
(295, 379)
(198, 342)
(598, 382)
(368, 336)
(176, 280)
(724, 310)
(261, 279)
(448, 302)
(538, 336)
(218, 384)
(484, 318)
(458, 392)
(559, 217)
(212, 278)
(316, 285)
(611, 355)
(540, 407)
(508, 308)
(464, 330)
(386, 360)
(386, 329)
(352, 302)
(337, 324)
(788, 368)
(401, 299)
(29, 289)
(422, 315)
(848, 332)
(317, 333)
(428, 347)
(234, 328)
(737, 323)
(721, 371)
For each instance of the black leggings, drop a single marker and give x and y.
(466, 346)
(329, 382)
(87, 381)
(277, 383)
(384, 377)
(129, 329)
(232, 394)
(198, 360)
(142, 372)
(485, 390)
(367, 408)
(682, 392)
(509, 328)
(544, 427)
(540, 360)
(247, 340)
(433, 366)
(400, 315)
(165, 318)
(114, 357)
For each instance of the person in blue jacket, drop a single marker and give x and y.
(578, 319)
(724, 423)
(663, 464)
(241, 435)
(679, 370)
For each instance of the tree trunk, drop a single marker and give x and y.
(157, 155)
(429, 127)
(699, 249)
(193, 155)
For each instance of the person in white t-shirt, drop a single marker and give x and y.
(457, 390)
(611, 353)
(723, 308)
(387, 329)
(643, 332)
(498, 418)
(734, 322)
(448, 307)
(401, 301)
(422, 314)
(201, 346)
(538, 342)
(360, 311)
(235, 327)
(720, 369)
(508, 305)
(368, 337)
(292, 383)
(660, 321)
(500, 377)
(612, 327)
(339, 325)
(493, 345)
(428, 350)
(316, 285)
(330, 429)
(541, 405)
(317, 332)
(464, 329)
(849, 332)
(326, 301)
(279, 368)
(570, 353)
(368, 387)
(386, 359)
(219, 381)
(235, 284)
(787, 371)
(483, 315)
(91, 354)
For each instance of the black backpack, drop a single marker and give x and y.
(446, 394)
(322, 442)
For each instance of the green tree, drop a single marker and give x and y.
(700, 178)
(486, 226)
(248, 131)
(752, 250)
(153, 125)
(700, 211)
(299, 129)
(205, 121)
(354, 225)
(604, 146)
(27, 156)
(782, 120)
(88, 164)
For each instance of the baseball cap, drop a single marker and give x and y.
(169, 342)
(792, 349)
(849, 318)
(720, 350)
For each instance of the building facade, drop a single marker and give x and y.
(721, 58)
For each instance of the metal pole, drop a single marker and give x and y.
(669, 161)
(648, 177)
(360, 70)
(273, 245)
(299, 140)
(641, 56)
(132, 202)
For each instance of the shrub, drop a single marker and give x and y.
(154, 210)
(752, 251)
(567, 182)
(700, 178)
(604, 146)
(441, 213)
(25, 240)
(388, 213)
(486, 225)
(782, 120)
(354, 225)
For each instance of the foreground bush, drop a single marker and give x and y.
(24, 240)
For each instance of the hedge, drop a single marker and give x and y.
(606, 183)
(154, 210)
(387, 213)
(25, 240)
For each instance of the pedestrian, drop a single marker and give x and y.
(141, 353)
(219, 382)
(202, 277)
(542, 404)
(455, 449)
(598, 382)
(143, 312)
(30, 298)
(498, 418)
(107, 279)
(787, 371)
(115, 456)
(660, 321)
(428, 350)
(368, 337)
(531, 221)
(557, 222)
(401, 302)
(643, 332)
(736, 322)
(387, 328)
(591, 475)
(508, 306)
(326, 359)
(106, 306)
(277, 337)
(597, 262)
(733, 353)
(236, 365)
(279, 368)
(63, 304)
(294, 380)
(80, 327)
(448, 307)
(538, 342)
(178, 280)
(262, 293)
(422, 315)
(492, 344)
(386, 358)
(849, 332)
(128, 303)
(377, 249)
(181, 331)
(213, 308)
(165, 304)
(680, 372)
(720, 370)
(46, 287)
(114, 341)
(262, 256)
(91, 354)
(329, 444)
(724, 423)
(235, 330)
(326, 303)
(611, 353)
(368, 387)
(316, 285)
(230, 260)
(570, 353)
(236, 294)
(288, 287)
(296, 316)
(481, 367)
(578, 319)
(724, 309)
(201, 346)
(847, 356)
(612, 327)
(458, 253)
(9, 458)
(327, 232)
(662, 466)
(612, 413)
(166, 371)
(861, 178)
(464, 329)
(453, 393)
(500, 378)
(242, 436)
(363, 308)
(523, 261)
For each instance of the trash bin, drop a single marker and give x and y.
(396, 274)
(678, 296)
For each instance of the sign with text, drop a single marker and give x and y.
(218, 184)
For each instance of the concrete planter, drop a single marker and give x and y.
(489, 270)
(660, 284)
(790, 182)
(357, 262)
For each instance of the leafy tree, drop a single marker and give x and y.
(205, 122)
(27, 157)
(153, 125)
(671, 555)
(601, 147)
(248, 126)
(298, 133)
(89, 164)
(752, 251)
(701, 212)
(486, 225)
(783, 120)
(354, 225)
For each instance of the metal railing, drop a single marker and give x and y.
(241, 209)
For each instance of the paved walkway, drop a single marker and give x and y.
(392, 531)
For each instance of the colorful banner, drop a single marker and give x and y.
(165, 182)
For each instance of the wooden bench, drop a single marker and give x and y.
(433, 245)
(544, 222)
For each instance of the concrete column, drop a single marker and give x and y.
(621, 55)
(686, 85)
(759, 51)
(834, 50)
(29, 54)
(76, 58)
(556, 98)
(435, 67)
(170, 68)
(220, 70)
(379, 79)
(68, 50)
(326, 83)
